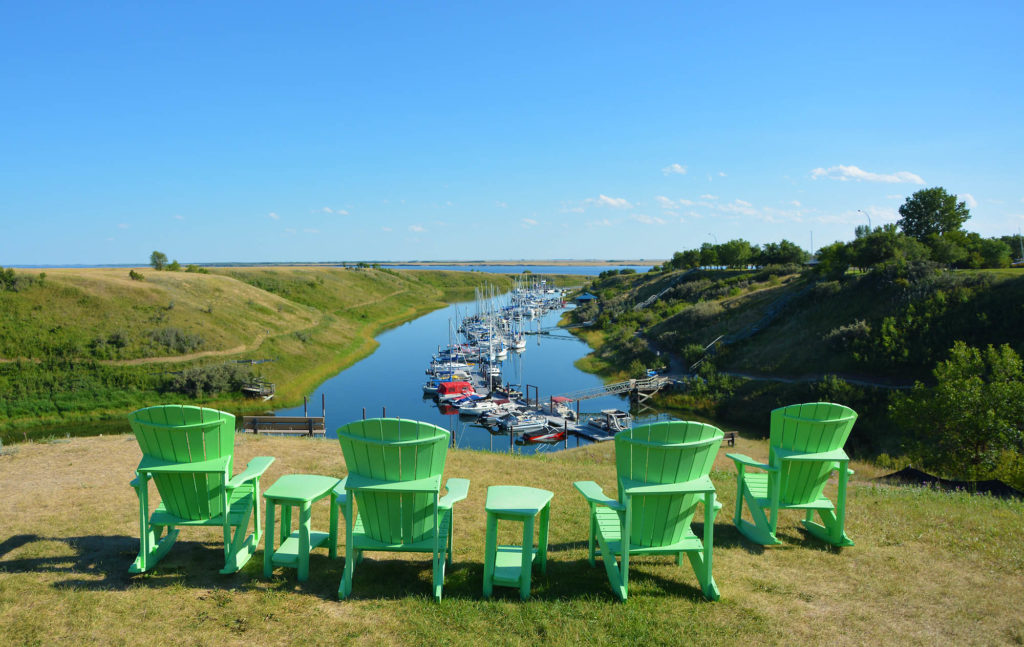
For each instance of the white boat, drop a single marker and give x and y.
(522, 423)
(611, 421)
(478, 408)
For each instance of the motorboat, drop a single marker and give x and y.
(546, 435)
(521, 423)
(611, 421)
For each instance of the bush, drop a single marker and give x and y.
(136, 276)
(208, 380)
(844, 337)
(176, 340)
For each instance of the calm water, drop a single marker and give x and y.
(392, 379)
(583, 270)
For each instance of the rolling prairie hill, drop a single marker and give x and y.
(94, 343)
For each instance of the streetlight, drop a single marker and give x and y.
(863, 213)
(713, 236)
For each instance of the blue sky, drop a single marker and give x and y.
(246, 131)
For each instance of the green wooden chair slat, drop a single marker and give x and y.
(197, 491)
(380, 513)
(662, 473)
(805, 447)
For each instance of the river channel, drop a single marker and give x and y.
(391, 379)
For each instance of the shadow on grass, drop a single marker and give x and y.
(100, 562)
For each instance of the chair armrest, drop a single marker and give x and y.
(741, 459)
(834, 455)
(156, 466)
(429, 484)
(593, 493)
(458, 489)
(696, 486)
(253, 470)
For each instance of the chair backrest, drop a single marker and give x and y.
(392, 449)
(807, 428)
(186, 434)
(660, 453)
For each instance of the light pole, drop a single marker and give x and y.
(864, 213)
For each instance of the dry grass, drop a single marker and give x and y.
(928, 568)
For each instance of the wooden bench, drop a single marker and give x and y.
(285, 425)
(730, 438)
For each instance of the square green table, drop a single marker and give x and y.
(302, 491)
(513, 565)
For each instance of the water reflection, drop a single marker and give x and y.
(390, 382)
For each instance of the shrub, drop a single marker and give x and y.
(208, 380)
(176, 339)
(844, 337)
(136, 276)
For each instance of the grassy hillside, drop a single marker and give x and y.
(800, 337)
(913, 578)
(93, 343)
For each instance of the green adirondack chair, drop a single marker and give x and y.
(662, 476)
(392, 495)
(187, 452)
(806, 446)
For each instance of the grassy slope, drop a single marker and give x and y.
(928, 568)
(312, 321)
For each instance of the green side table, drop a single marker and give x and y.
(513, 565)
(301, 491)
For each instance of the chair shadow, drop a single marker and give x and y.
(101, 562)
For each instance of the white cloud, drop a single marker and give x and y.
(721, 174)
(740, 207)
(123, 225)
(674, 169)
(605, 201)
(311, 231)
(844, 173)
(647, 220)
(600, 223)
(177, 217)
(795, 203)
(529, 222)
(666, 203)
(708, 196)
(503, 205)
(568, 209)
(273, 216)
(416, 228)
(969, 199)
(386, 229)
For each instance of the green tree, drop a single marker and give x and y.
(158, 260)
(932, 211)
(735, 253)
(973, 414)
(175, 266)
(833, 260)
(781, 253)
(708, 255)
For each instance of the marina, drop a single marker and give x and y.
(472, 369)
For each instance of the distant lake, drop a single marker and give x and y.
(392, 378)
(583, 270)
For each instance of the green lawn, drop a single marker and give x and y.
(928, 567)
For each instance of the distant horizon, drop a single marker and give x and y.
(569, 262)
